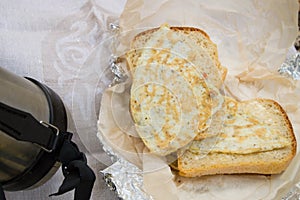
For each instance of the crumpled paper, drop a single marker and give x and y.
(253, 39)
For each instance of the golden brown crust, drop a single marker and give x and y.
(190, 29)
(260, 167)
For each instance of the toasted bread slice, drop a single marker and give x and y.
(257, 137)
(200, 50)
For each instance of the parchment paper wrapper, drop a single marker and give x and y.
(253, 38)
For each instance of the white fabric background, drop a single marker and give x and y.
(25, 27)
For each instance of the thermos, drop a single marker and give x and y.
(34, 141)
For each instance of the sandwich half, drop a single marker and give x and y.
(256, 137)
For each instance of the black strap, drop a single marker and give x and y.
(2, 196)
(23, 126)
(78, 175)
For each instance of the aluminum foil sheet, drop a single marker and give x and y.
(291, 66)
(125, 178)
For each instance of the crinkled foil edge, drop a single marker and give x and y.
(123, 177)
(290, 68)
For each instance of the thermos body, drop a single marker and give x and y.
(25, 165)
(20, 93)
